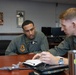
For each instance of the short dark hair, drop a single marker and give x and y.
(26, 22)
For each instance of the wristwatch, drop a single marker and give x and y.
(61, 61)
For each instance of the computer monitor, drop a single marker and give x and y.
(46, 31)
(56, 31)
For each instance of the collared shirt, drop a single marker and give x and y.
(69, 43)
(22, 45)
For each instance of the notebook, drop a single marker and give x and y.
(32, 63)
(45, 69)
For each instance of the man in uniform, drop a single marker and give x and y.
(31, 41)
(68, 25)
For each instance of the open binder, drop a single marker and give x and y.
(46, 69)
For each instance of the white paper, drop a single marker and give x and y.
(32, 62)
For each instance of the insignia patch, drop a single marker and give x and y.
(22, 48)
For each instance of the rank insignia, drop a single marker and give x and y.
(22, 48)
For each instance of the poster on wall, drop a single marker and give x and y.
(1, 18)
(20, 18)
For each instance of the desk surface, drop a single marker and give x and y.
(14, 59)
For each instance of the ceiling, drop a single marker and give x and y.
(57, 1)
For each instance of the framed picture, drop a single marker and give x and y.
(1, 18)
(20, 18)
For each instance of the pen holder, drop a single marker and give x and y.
(72, 62)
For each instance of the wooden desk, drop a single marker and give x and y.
(9, 60)
(14, 59)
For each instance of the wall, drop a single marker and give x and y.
(42, 14)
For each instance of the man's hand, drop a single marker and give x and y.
(48, 58)
(37, 56)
